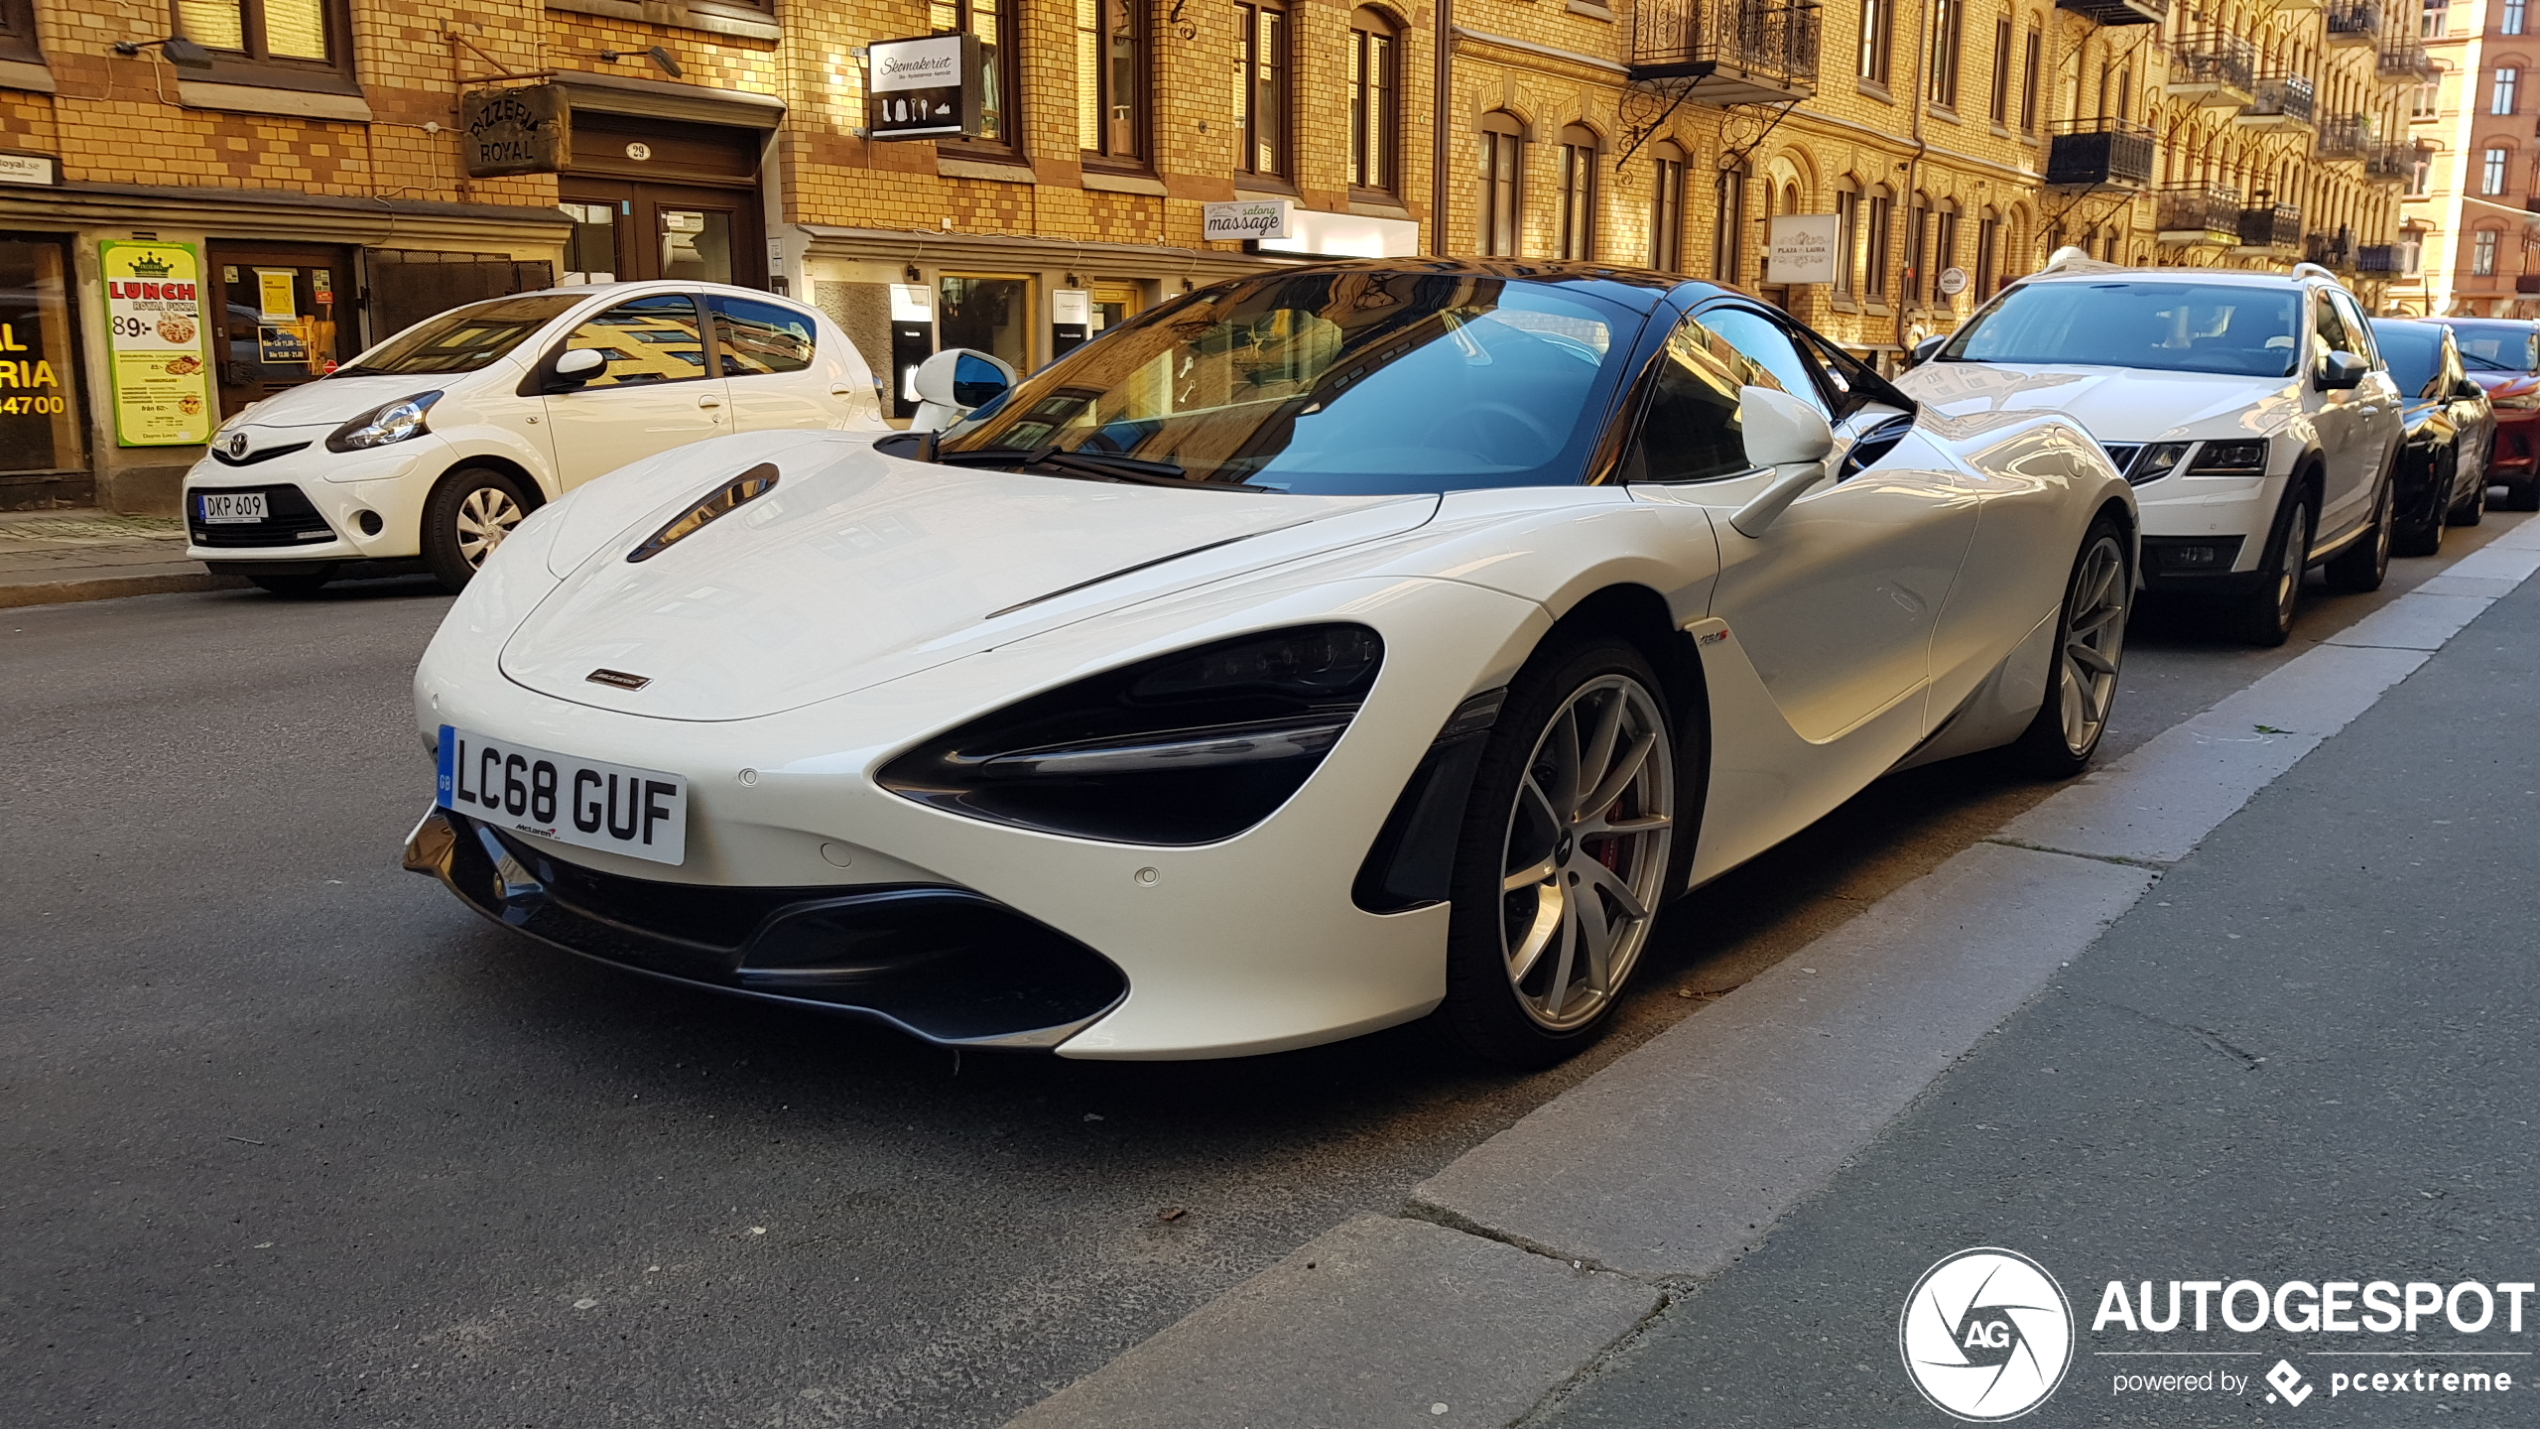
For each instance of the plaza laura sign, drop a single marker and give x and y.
(927, 88)
(154, 343)
(515, 131)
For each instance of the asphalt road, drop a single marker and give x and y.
(295, 1139)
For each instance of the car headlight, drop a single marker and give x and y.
(2156, 461)
(385, 423)
(2230, 459)
(1186, 748)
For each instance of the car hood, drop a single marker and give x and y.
(858, 568)
(2501, 385)
(2115, 404)
(333, 401)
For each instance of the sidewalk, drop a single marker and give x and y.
(48, 557)
(2029, 1047)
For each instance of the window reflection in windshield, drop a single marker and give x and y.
(2170, 327)
(1336, 382)
(2414, 352)
(462, 339)
(2497, 346)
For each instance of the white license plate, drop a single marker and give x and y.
(221, 507)
(642, 813)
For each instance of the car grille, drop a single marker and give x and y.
(289, 520)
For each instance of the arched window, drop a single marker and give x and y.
(1375, 100)
(1578, 191)
(1728, 241)
(1944, 250)
(2482, 253)
(1988, 254)
(2506, 93)
(1503, 182)
(1878, 233)
(2493, 169)
(1847, 252)
(1667, 207)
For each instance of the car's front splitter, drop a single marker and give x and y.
(941, 963)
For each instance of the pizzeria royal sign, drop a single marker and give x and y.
(515, 131)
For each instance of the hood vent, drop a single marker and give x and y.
(749, 486)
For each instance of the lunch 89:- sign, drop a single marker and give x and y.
(154, 344)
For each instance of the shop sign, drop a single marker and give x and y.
(154, 343)
(29, 384)
(1803, 248)
(515, 131)
(927, 88)
(38, 169)
(1246, 218)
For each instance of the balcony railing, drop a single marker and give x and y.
(2198, 213)
(2354, 22)
(2346, 138)
(2119, 12)
(2405, 59)
(1744, 51)
(2096, 153)
(2333, 251)
(2282, 101)
(2394, 163)
(2271, 226)
(2527, 282)
(2387, 260)
(2214, 68)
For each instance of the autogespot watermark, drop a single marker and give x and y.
(1987, 1334)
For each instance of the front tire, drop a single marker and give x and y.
(2081, 689)
(2359, 569)
(2264, 616)
(1565, 854)
(466, 517)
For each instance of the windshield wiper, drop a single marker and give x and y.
(1095, 466)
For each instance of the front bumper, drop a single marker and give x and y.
(319, 500)
(945, 964)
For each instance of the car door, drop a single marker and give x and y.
(2342, 420)
(769, 359)
(2472, 414)
(657, 391)
(2381, 409)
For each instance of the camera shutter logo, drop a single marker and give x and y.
(1986, 1335)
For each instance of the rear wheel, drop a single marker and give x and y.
(2473, 508)
(465, 518)
(1564, 856)
(2264, 615)
(2089, 646)
(293, 585)
(2422, 535)
(2360, 567)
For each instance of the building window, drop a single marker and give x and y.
(17, 30)
(2426, 100)
(2435, 22)
(1374, 89)
(2420, 175)
(2507, 91)
(1988, 254)
(999, 64)
(1847, 250)
(1944, 253)
(1667, 210)
(1728, 241)
(1878, 232)
(1875, 27)
(303, 35)
(1261, 89)
(2513, 17)
(40, 421)
(2491, 169)
(1947, 21)
(1578, 192)
(1503, 183)
(2482, 255)
(2032, 55)
(2002, 70)
(1111, 78)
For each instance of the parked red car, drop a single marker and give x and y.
(2503, 355)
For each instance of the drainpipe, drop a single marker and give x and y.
(1914, 173)
(1445, 78)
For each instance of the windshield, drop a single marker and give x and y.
(462, 339)
(2497, 347)
(2168, 327)
(1345, 383)
(2414, 352)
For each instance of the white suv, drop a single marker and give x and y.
(438, 441)
(2251, 411)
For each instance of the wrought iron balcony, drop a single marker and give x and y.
(2346, 138)
(2282, 101)
(1737, 51)
(2387, 260)
(2118, 12)
(2395, 163)
(2405, 59)
(2333, 251)
(2354, 22)
(2213, 68)
(2271, 226)
(2527, 282)
(2195, 215)
(2099, 153)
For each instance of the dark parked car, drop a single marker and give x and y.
(2503, 356)
(2443, 466)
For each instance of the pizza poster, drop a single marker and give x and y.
(154, 344)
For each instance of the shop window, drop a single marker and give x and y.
(291, 43)
(654, 339)
(1502, 183)
(758, 338)
(999, 62)
(1111, 78)
(1261, 89)
(1578, 192)
(1375, 82)
(992, 315)
(39, 399)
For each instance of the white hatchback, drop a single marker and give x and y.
(436, 442)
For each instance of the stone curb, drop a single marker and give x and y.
(14, 594)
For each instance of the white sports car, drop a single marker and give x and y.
(1313, 653)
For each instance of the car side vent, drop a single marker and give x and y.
(749, 486)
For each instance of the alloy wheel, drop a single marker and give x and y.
(485, 518)
(1585, 859)
(2290, 565)
(2094, 643)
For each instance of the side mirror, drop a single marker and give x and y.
(2341, 371)
(580, 366)
(2468, 390)
(1789, 436)
(954, 383)
(1927, 349)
